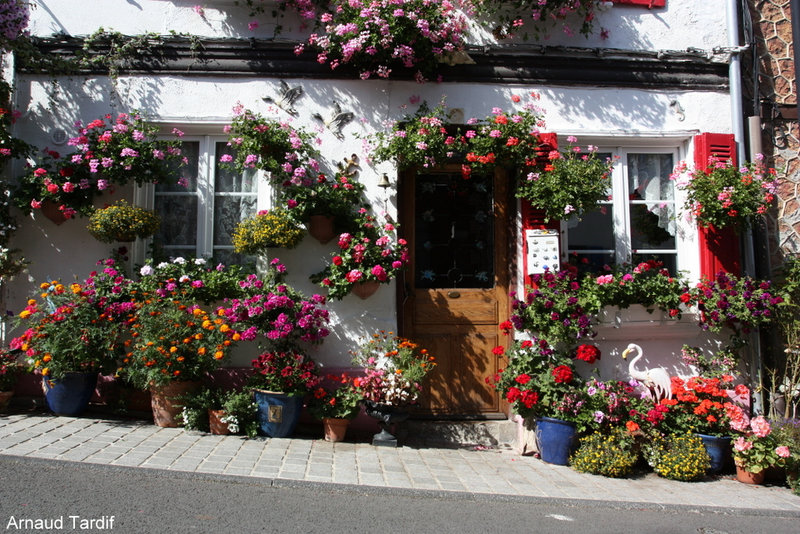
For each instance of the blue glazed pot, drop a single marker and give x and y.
(277, 413)
(718, 450)
(554, 439)
(69, 395)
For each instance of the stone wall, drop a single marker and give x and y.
(781, 139)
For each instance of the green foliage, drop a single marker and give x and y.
(540, 381)
(192, 279)
(680, 457)
(723, 194)
(275, 228)
(338, 398)
(610, 455)
(290, 373)
(647, 283)
(740, 303)
(270, 145)
(571, 183)
(240, 410)
(76, 328)
(122, 222)
(174, 340)
(10, 368)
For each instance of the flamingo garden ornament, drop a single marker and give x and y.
(656, 379)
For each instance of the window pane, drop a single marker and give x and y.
(591, 262)
(651, 224)
(648, 177)
(595, 231)
(228, 180)
(178, 220)
(454, 227)
(191, 151)
(228, 211)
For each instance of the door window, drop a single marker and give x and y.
(454, 231)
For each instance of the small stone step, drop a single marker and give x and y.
(491, 434)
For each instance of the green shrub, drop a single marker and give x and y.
(610, 455)
(680, 457)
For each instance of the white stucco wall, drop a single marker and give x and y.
(682, 24)
(611, 116)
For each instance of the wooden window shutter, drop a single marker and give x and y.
(719, 249)
(647, 3)
(532, 217)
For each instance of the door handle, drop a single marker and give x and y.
(453, 294)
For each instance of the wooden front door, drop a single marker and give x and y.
(455, 292)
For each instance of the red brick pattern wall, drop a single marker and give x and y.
(778, 87)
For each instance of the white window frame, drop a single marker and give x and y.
(205, 194)
(686, 250)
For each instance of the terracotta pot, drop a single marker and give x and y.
(748, 477)
(321, 228)
(5, 398)
(166, 401)
(365, 289)
(335, 429)
(51, 211)
(216, 426)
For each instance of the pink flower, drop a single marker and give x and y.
(605, 279)
(760, 426)
(379, 272)
(354, 276)
(783, 451)
(742, 444)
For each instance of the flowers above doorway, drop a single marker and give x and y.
(428, 138)
(570, 182)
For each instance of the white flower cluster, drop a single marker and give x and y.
(232, 421)
(399, 390)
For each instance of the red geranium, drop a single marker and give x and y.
(562, 374)
(587, 353)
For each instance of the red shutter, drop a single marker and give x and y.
(719, 249)
(647, 3)
(533, 218)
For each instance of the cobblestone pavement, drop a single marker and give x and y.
(489, 471)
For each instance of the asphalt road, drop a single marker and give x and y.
(74, 497)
